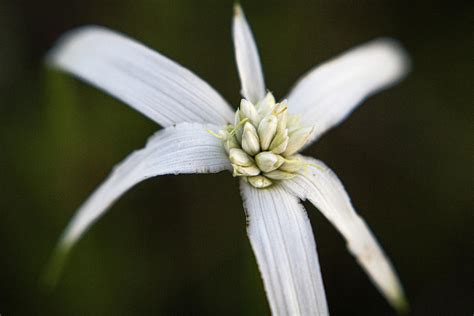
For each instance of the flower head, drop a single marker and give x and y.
(259, 144)
(263, 142)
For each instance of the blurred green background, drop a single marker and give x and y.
(177, 245)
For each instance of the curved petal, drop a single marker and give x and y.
(248, 62)
(323, 189)
(184, 148)
(283, 243)
(327, 94)
(144, 79)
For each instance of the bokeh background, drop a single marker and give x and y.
(177, 245)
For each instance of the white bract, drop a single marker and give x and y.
(258, 143)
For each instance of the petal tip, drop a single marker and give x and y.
(396, 50)
(237, 9)
(53, 56)
(401, 304)
(53, 271)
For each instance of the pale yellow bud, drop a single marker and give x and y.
(265, 106)
(230, 142)
(279, 142)
(251, 170)
(239, 157)
(281, 112)
(250, 141)
(298, 139)
(292, 164)
(280, 108)
(260, 182)
(248, 110)
(279, 175)
(267, 130)
(268, 161)
(239, 130)
(237, 118)
(293, 122)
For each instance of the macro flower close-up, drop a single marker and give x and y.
(180, 157)
(259, 144)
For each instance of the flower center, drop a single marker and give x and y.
(263, 142)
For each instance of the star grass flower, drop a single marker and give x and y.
(259, 144)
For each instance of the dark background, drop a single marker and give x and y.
(177, 245)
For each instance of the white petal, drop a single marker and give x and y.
(283, 243)
(248, 62)
(184, 148)
(327, 94)
(144, 79)
(322, 188)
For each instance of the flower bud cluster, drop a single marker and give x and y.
(263, 142)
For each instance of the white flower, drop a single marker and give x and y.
(259, 144)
